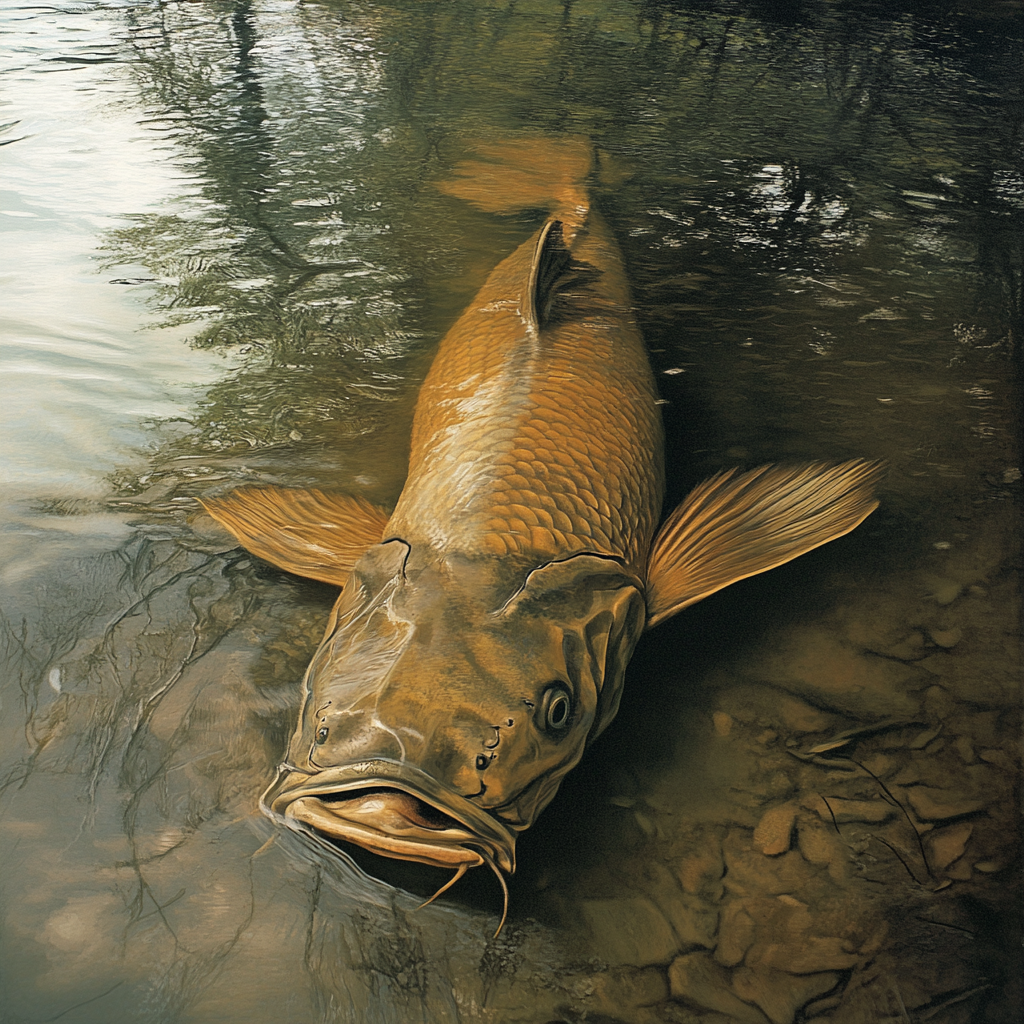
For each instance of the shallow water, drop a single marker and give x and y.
(226, 261)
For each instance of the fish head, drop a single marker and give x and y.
(442, 713)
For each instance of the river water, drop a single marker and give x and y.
(226, 261)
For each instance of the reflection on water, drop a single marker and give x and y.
(805, 809)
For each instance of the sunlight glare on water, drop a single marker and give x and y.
(83, 382)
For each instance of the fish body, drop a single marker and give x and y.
(538, 436)
(484, 626)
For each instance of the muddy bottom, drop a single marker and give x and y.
(806, 811)
(833, 833)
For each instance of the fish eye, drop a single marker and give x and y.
(556, 708)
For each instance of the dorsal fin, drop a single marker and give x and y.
(551, 262)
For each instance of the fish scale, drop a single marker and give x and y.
(540, 443)
(481, 638)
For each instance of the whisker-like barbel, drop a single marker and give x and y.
(484, 626)
(463, 868)
(504, 888)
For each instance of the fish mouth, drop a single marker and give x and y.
(393, 810)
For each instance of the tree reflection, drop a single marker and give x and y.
(825, 211)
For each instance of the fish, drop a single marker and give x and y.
(484, 625)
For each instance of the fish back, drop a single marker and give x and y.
(537, 431)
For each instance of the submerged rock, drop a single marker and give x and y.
(630, 931)
(697, 980)
(842, 811)
(779, 994)
(735, 934)
(816, 665)
(931, 804)
(775, 829)
(947, 845)
(749, 872)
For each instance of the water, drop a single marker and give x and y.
(225, 261)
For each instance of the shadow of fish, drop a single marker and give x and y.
(484, 626)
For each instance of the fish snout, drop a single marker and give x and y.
(394, 782)
(344, 737)
(458, 748)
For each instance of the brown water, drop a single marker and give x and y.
(226, 261)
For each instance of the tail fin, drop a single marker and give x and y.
(528, 173)
(731, 527)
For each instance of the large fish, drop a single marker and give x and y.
(484, 626)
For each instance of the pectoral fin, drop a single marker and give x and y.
(731, 527)
(309, 533)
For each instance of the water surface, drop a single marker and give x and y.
(226, 261)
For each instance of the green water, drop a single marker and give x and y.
(225, 261)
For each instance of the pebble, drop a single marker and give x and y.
(776, 785)
(749, 872)
(697, 980)
(790, 901)
(799, 716)
(947, 845)
(997, 757)
(735, 934)
(775, 829)
(878, 764)
(816, 845)
(821, 1006)
(909, 774)
(701, 872)
(965, 748)
(921, 740)
(944, 591)
(722, 723)
(646, 825)
(959, 871)
(990, 867)
(931, 804)
(803, 954)
(780, 994)
(947, 637)
(845, 811)
(635, 991)
(822, 847)
(693, 921)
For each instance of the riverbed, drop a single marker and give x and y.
(227, 261)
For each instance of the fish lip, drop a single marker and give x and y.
(293, 783)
